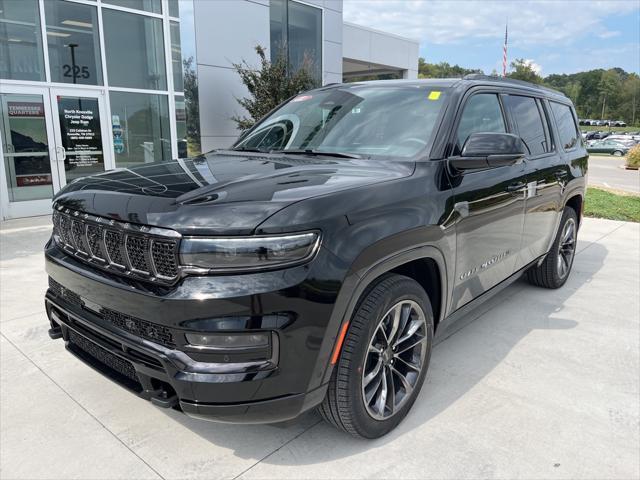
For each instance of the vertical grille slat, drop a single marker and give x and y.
(77, 234)
(113, 242)
(163, 255)
(94, 239)
(137, 248)
(147, 253)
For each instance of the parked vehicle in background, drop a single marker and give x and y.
(314, 263)
(597, 135)
(619, 123)
(610, 147)
(627, 140)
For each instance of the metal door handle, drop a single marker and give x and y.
(514, 187)
(61, 153)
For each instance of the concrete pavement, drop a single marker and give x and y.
(543, 384)
(606, 171)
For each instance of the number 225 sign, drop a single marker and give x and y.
(76, 71)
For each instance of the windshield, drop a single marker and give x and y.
(364, 121)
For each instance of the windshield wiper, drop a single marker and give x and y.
(249, 149)
(318, 153)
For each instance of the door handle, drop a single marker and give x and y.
(514, 187)
(61, 153)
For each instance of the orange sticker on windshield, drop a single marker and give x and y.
(302, 98)
(434, 95)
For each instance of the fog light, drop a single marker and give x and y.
(229, 340)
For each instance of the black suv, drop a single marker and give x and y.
(316, 262)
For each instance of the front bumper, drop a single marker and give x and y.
(270, 390)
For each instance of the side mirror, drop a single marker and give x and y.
(489, 150)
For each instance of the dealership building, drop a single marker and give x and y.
(92, 85)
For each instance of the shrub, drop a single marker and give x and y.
(633, 157)
(270, 85)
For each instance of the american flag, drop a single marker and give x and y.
(504, 53)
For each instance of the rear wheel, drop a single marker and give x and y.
(617, 153)
(554, 270)
(384, 359)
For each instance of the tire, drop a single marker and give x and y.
(617, 153)
(363, 350)
(556, 267)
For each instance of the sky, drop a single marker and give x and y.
(555, 36)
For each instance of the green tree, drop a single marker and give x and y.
(522, 70)
(270, 85)
(443, 70)
(630, 101)
(608, 88)
(572, 90)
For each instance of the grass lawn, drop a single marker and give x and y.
(589, 128)
(603, 204)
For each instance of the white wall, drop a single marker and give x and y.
(227, 32)
(367, 45)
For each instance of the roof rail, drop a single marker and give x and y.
(480, 76)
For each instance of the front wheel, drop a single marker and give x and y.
(384, 359)
(617, 153)
(554, 270)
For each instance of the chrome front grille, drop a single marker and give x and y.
(141, 252)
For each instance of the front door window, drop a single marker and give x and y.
(25, 147)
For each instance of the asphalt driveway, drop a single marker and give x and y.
(543, 384)
(607, 171)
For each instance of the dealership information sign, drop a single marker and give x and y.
(80, 131)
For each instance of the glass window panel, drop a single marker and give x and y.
(567, 129)
(181, 127)
(140, 126)
(74, 43)
(176, 57)
(187, 127)
(21, 52)
(174, 8)
(304, 38)
(530, 127)
(153, 6)
(25, 147)
(134, 50)
(482, 113)
(277, 21)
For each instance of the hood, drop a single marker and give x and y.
(220, 192)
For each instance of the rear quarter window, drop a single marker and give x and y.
(567, 128)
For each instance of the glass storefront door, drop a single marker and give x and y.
(28, 179)
(79, 133)
(50, 136)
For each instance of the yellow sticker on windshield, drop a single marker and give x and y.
(434, 95)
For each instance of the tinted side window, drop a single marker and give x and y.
(526, 114)
(482, 113)
(567, 129)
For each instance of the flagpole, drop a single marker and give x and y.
(504, 50)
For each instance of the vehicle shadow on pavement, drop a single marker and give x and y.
(458, 364)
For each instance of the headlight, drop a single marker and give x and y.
(248, 253)
(229, 341)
